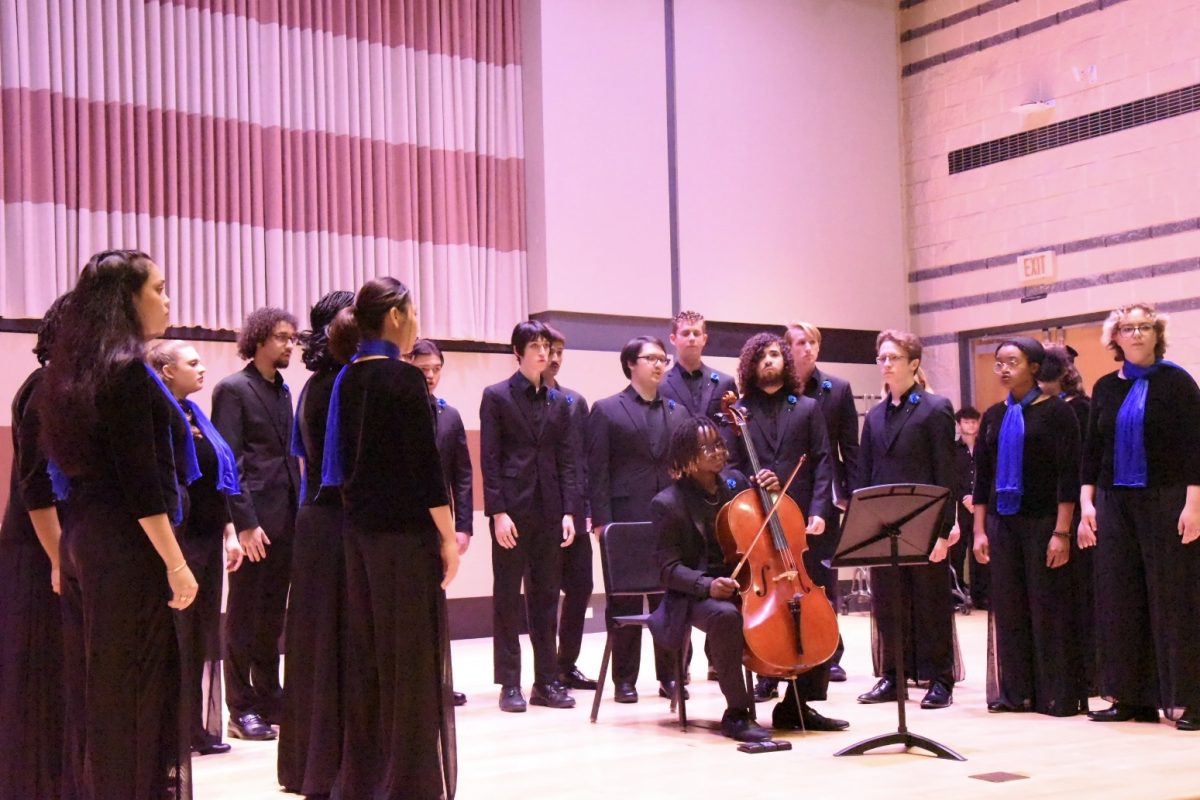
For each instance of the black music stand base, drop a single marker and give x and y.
(909, 740)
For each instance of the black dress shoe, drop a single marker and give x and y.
(667, 689)
(551, 695)
(939, 696)
(460, 699)
(884, 691)
(837, 674)
(212, 748)
(1123, 712)
(737, 723)
(511, 699)
(1007, 708)
(574, 679)
(785, 718)
(251, 727)
(625, 693)
(1190, 721)
(765, 689)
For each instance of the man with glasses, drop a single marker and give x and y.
(627, 442)
(530, 496)
(252, 410)
(690, 382)
(786, 426)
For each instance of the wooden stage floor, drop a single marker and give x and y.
(637, 751)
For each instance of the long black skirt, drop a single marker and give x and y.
(399, 706)
(31, 706)
(1147, 599)
(121, 672)
(310, 734)
(1036, 658)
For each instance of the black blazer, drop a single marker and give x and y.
(577, 408)
(521, 464)
(255, 419)
(682, 553)
(456, 464)
(674, 387)
(921, 449)
(624, 471)
(801, 431)
(841, 420)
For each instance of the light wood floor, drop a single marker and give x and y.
(636, 751)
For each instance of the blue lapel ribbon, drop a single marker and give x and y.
(331, 462)
(1010, 460)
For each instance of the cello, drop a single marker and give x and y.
(789, 625)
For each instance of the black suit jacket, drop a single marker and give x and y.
(623, 470)
(255, 419)
(682, 554)
(800, 431)
(456, 464)
(841, 420)
(577, 410)
(527, 473)
(921, 449)
(716, 384)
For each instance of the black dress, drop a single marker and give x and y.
(399, 705)
(121, 657)
(1034, 628)
(1083, 567)
(201, 537)
(310, 734)
(1147, 580)
(30, 618)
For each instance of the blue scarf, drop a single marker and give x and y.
(1129, 454)
(227, 472)
(1010, 460)
(331, 462)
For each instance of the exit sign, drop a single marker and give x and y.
(1036, 268)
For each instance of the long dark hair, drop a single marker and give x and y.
(364, 319)
(98, 333)
(315, 341)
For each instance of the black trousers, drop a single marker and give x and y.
(1034, 621)
(577, 593)
(928, 620)
(962, 553)
(537, 560)
(1147, 599)
(198, 629)
(254, 622)
(722, 621)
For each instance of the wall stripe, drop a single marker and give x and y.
(954, 19)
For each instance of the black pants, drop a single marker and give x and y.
(577, 593)
(722, 621)
(1034, 623)
(254, 622)
(537, 560)
(198, 628)
(962, 553)
(927, 619)
(1147, 599)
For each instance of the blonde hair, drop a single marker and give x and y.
(1108, 334)
(810, 330)
(164, 353)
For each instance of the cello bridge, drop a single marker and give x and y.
(786, 576)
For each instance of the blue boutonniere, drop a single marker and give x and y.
(731, 483)
(570, 399)
(715, 378)
(827, 385)
(791, 398)
(286, 389)
(670, 405)
(914, 398)
(441, 403)
(552, 394)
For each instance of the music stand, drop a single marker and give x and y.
(893, 526)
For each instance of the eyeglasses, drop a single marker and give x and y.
(713, 449)
(999, 366)
(653, 360)
(888, 359)
(1129, 330)
(285, 338)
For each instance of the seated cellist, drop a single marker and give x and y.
(700, 592)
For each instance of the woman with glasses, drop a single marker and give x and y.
(1026, 485)
(909, 438)
(1141, 510)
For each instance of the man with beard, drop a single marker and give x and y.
(786, 426)
(252, 410)
(628, 438)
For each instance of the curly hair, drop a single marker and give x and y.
(99, 332)
(687, 317)
(1059, 367)
(752, 352)
(48, 328)
(683, 451)
(259, 325)
(1108, 335)
(315, 340)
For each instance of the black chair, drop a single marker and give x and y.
(628, 562)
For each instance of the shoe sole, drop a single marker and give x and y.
(545, 704)
(513, 709)
(625, 700)
(233, 733)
